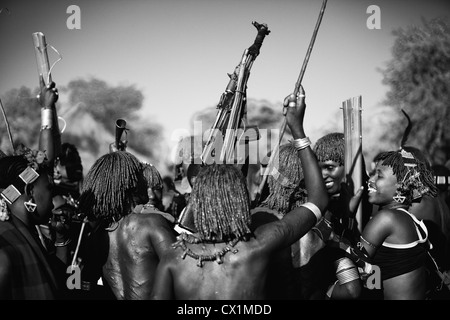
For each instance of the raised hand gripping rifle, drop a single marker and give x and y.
(232, 112)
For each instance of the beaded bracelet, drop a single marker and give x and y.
(301, 143)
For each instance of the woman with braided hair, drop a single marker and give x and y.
(287, 191)
(226, 259)
(291, 275)
(394, 239)
(323, 271)
(330, 153)
(127, 241)
(30, 267)
(155, 186)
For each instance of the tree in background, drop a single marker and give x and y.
(419, 79)
(90, 109)
(23, 113)
(107, 104)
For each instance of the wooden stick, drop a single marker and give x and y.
(274, 153)
(80, 236)
(308, 52)
(7, 126)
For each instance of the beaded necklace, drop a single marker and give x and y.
(184, 237)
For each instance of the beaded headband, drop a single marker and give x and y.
(29, 175)
(10, 194)
(413, 176)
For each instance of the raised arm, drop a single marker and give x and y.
(300, 220)
(49, 136)
(295, 114)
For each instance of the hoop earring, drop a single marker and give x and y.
(30, 205)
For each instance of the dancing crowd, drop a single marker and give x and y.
(124, 232)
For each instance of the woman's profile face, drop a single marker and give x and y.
(382, 185)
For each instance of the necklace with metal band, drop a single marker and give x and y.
(184, 237)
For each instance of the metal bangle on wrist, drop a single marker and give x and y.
(46, 118)
(301, 143)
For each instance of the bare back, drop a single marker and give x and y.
(407, 286)
(241, 275)
(135, 249)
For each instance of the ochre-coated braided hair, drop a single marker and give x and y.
(112, 187)
(287, 189)
(413, 176)
(152, 176)
(331, 147)
(221, 203)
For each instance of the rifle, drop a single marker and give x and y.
(49, 139)
(121, 145)
(232, 108)
(353, 160)
(274, 154)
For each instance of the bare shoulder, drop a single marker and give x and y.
(148, 219)
(383, 220)
(385, 216)
(143, 225)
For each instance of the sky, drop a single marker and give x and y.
(178, 52)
